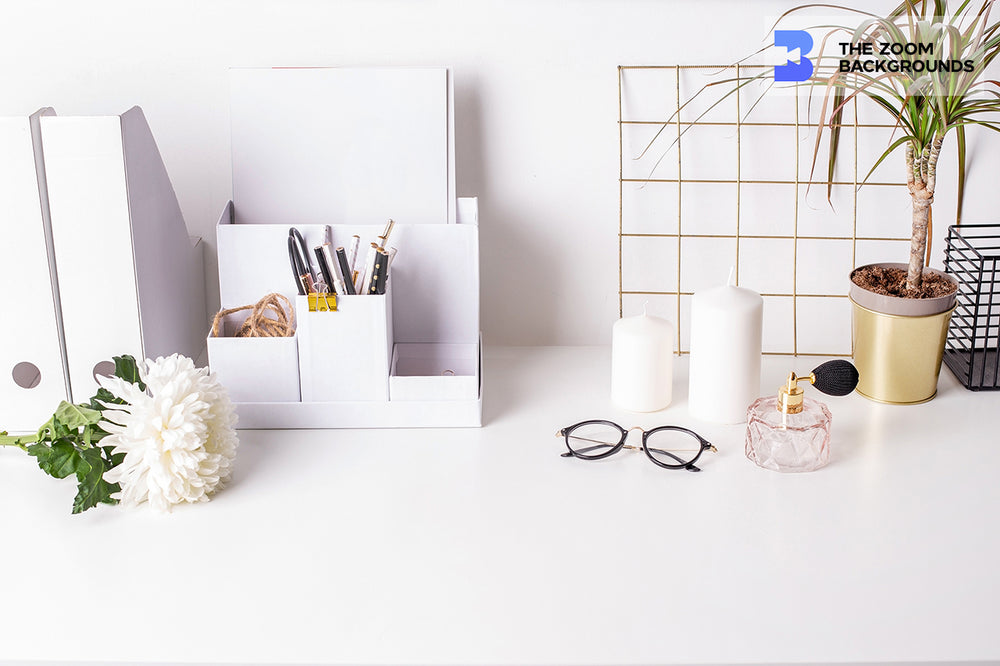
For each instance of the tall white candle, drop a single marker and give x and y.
(726, 328)
(642, 365)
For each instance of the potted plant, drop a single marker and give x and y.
(925, 65)
(902, 310)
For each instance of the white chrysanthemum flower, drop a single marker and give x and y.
(178, 435)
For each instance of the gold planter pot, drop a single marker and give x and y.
(898, 343)
(898, 358)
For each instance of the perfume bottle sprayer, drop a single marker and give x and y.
(789, 432)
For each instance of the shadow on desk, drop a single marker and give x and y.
(507, 382)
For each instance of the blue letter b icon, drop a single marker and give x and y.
(792, 40)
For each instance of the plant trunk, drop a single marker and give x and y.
(918, 239)
(921, 179)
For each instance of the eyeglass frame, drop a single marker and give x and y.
(690, 465)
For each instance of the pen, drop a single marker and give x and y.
(352, 253)
(392, 255)
(364, 279)
(324, 268)
(303, 252)
(377, 268)
(331, 261)
(303, 280)
(385, 234)
(381, 272)
(345, 270)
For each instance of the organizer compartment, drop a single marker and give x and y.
(255, 369)
(434, 372)
(344, 354)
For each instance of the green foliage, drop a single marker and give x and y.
(68, 443)
(923, 105)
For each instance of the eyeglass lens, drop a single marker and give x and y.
(592, 440)
(673, 447)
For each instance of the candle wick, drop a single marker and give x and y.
(732, 274)
(644, 304)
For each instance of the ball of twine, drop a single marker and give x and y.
(259, 324)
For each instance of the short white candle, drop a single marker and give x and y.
(726, 328)
(642, 350)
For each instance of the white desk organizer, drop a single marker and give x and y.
(104, 261)
(410, 358)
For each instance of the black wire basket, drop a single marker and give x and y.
(972, 255)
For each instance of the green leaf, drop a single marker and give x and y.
(960, 132)
(52, 430)
(126, 368)
(59, 460)
(104, 397)
(94, 433)
(92, 489)
(114, 458)
(76, 416)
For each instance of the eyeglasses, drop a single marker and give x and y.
(672, 447)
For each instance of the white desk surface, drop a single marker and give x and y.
(484, 546)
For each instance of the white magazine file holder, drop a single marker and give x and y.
(32, 372)
(411, 358)
(131, 280)
(100, 263)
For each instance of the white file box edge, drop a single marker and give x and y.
(28, 272)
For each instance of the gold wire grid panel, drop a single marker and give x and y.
(737, 187)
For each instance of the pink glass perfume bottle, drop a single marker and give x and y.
(789, 432)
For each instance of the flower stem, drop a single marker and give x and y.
(20, 442)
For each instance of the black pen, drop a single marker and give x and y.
(345, 269)
(381, 272)
(324, 268)
(303, 280)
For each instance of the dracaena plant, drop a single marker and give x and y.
(925, 106)
(926, 102)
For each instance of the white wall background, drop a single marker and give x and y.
(536, 106)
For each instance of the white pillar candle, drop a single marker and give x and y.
(642, 367)
(726, 326)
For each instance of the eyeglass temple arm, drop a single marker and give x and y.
(588, 449)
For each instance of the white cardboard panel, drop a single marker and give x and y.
(422, 372)
(332, 145)
(27, 287)
(169, 264)
(255, 369)
(467, 210)
(253, 259)
(91, 229)
(344, 354)
(121, 246)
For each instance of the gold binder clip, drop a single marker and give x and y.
(322, 302)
